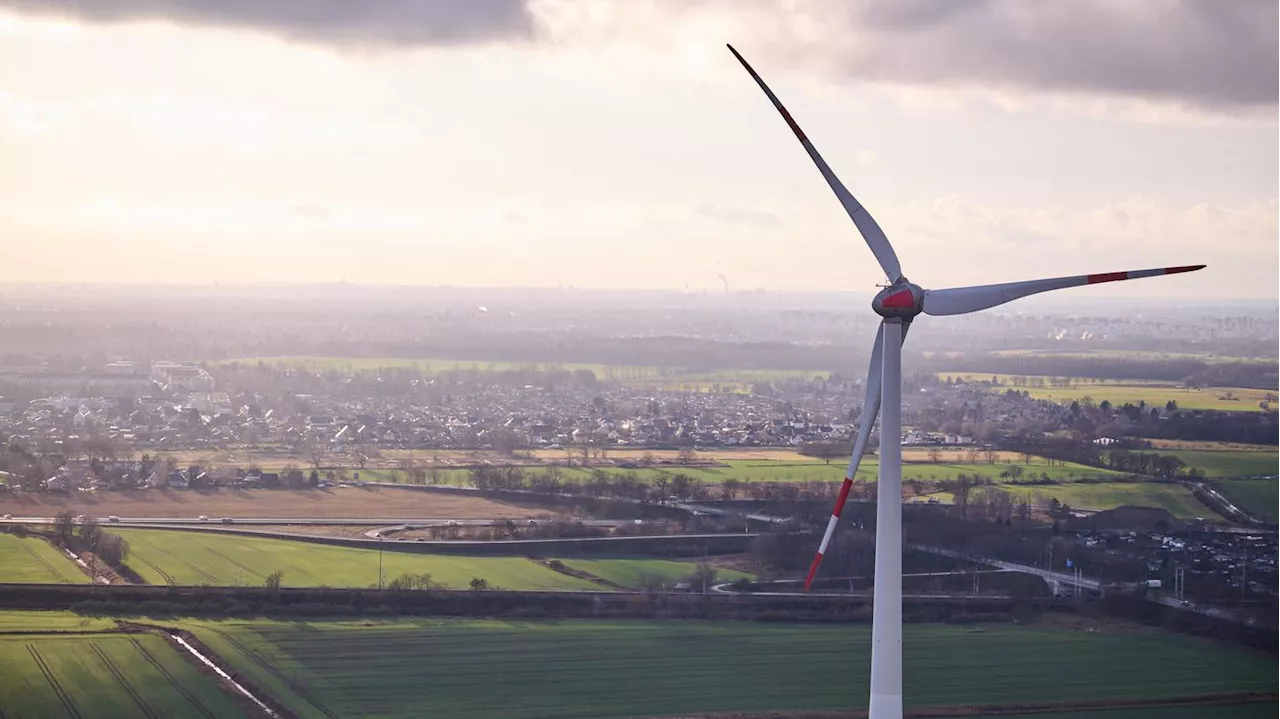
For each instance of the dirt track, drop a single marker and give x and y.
(335, 502)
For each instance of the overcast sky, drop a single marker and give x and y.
(610, 144)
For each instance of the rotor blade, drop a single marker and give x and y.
(870, 408)
(960, 300)
(871, 231)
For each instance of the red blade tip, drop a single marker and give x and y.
(813, 569)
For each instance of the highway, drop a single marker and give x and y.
(1082, 581)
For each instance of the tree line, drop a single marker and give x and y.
(85, 534)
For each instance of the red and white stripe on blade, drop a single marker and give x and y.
(831, 528)
(961, 300)
(870, 409)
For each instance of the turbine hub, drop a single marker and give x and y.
(901, 299)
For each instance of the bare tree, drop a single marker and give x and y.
(660, 483)
(410, 581)
(648, 459)
(113, 549)
(417, 474)
(90, 534)
(64, 527)
(686, 456)
(316, 451)
(935, 455)
(703, 578)
(729, 488)
(960, 493)
(650, 582)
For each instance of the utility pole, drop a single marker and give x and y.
(379, 563)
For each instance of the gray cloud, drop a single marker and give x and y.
(335, 22)
(1212, 53)
(1201, 52)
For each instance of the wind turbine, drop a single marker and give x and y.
(898, 304)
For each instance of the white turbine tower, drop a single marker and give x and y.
(898, 304)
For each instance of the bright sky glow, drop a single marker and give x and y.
(620, 145)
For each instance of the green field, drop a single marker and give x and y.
(32, 559)
(1119, 391)
(17, 622)
(1173, 497)
(104, 675)
(602, 669)
(1007, 381)
(633, 572)
(1129, 354)
(1246, 400)
(766, 471)
(1258, 497)
(787, 471)
(1227, 463)
(1255, 710)
(175, 557)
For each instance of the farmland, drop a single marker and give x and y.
(1256, 710)
(1155, 394)
(334, 502)
(628, 669)
(18, 622)
(31, 559)
(917, 467)
(634, 572)
(1147, 355)
(1258, 497)
(1228, 463)
(175, 557)
(1175, 498)
(104, 675)
(275, 459)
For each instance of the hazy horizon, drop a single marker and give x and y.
(557, 143)
(842, 299)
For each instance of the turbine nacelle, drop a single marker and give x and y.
(902, 300)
